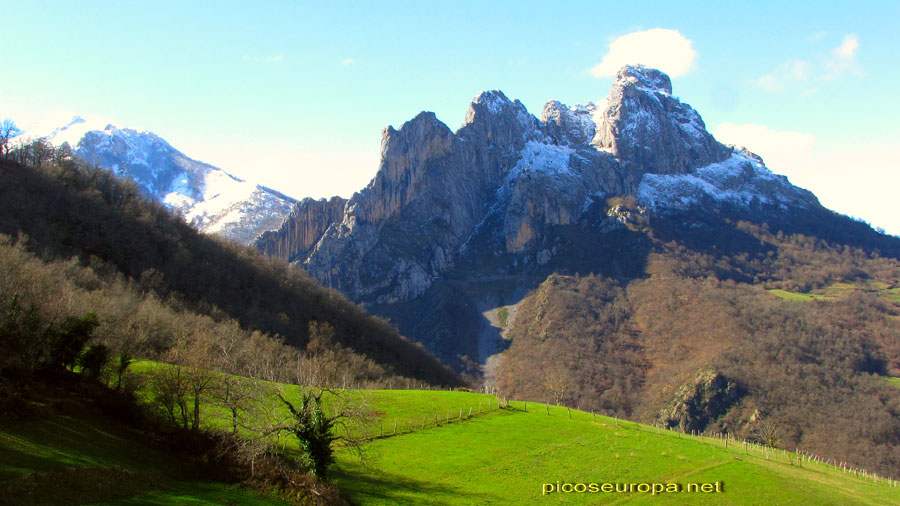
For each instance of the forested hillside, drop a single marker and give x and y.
(78, 240)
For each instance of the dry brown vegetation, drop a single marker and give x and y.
(814, 371)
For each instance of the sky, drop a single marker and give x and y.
(294, 95)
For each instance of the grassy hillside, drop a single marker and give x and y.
(69, 455)
(506, 458)
(505, 455)
(499, 456)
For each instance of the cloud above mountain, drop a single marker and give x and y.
(660, 48)
(806, 74)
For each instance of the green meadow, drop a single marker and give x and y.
(837, 289)
(440, 455)
(510, 456)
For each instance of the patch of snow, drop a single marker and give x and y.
(67, 128)
(543, 158)
(740, 179)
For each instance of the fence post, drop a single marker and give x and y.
(570, 411)
(548, 409)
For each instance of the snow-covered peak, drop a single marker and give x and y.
(207, 197)
(63, 128)
(494, 100)
(645, 78)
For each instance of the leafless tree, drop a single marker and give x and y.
(8, 130)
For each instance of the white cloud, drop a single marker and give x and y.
(857, 178)
(843, 59)
(778, 148)
(848, 47)
(795, 74)
(346, 62)
(663, 49)
(275, 58)
(786, 75)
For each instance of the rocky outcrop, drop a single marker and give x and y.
(432, 189)
(301, 229)
(503, 181)
(697, 403)
(650, 130)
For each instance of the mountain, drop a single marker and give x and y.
(614, 256)
(207, 197)
(495, 190)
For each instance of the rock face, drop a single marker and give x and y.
(208, 197)
(485, 198)
(650, 130)
(302, 228)
(700, 401)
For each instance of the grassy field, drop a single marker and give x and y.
(405, 410)
(496, 456)
(835, 290)
(507, 456)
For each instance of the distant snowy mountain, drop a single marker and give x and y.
(207, 197)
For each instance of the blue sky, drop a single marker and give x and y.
(294, 95)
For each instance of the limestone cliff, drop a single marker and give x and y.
(489, 195)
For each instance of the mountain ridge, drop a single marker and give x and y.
(640, 140)
(207, 197)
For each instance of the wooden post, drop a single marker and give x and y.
(570, 411)
(460, 413)
(395, 426)
(548, 409)
(470, 410)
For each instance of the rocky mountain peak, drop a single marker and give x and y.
(500, 185)
(573, 126)
(403, 165)
(650, 130)
(492, 101)
(643, 77)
